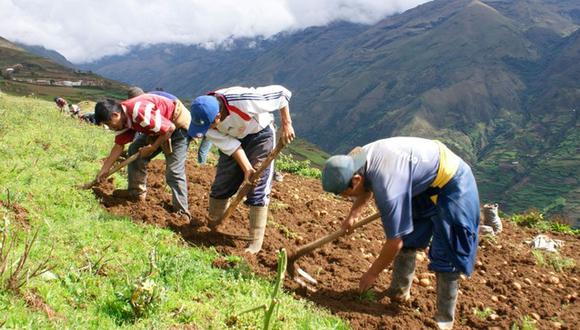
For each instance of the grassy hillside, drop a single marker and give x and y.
(101, 263)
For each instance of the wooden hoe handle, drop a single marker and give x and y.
(113, 170)
(305, 249)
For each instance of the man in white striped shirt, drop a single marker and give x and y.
(239, 121)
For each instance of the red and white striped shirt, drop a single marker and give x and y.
(147, 113)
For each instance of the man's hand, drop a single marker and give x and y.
(367, 281)
(146, 151)
(102, 175)
(248, 175)
(348, 223)
(288, 133)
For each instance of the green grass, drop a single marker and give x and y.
(484, 313)
(553, 260)
(525, 323)
(302, 150)
(100, 259)
(287, 163)
(535, 219)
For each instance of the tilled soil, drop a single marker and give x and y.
(301, 212)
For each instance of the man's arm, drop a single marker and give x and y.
(388, 253)
(148, 150)
(240, 156)
(287, 129)
(356, 209)
(113, 156)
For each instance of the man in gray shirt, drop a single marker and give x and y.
(424, 193)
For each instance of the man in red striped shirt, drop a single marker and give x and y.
(154, 116)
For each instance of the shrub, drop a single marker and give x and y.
(287, 163)
(554, 260)
(484, 313)
(535, 219)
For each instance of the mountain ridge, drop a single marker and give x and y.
(494, 79)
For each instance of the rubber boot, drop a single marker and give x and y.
(217, 208)
(403, 271)
(258, 219)
(447, 288)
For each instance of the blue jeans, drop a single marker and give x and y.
(203, 151)
(452, 224)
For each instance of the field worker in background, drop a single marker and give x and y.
(74, 110)
(153, 116)
(60, 103)
(239, 121)
(406, 175)
(203, 151)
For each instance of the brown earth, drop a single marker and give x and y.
(301, 212)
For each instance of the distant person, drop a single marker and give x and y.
(239, 121)
(203, 150)
(161, 119)
(60, 103)
(74, 110)
(89, 118)
(134, 92)
(407, 175)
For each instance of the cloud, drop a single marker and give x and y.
(86, 30)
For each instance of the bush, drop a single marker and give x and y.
(287, 163)
(535, 219)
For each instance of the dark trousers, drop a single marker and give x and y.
(229, 176)
(174, 168)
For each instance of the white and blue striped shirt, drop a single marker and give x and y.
(250, 112)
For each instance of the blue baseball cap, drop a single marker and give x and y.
(338, 171)
(204, 109)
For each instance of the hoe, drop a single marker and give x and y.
(113, 170)
(297, 273)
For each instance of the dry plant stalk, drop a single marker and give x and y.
(17, 277)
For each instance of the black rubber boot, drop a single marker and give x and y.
(447, 288)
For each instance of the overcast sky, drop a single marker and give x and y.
(85, 30)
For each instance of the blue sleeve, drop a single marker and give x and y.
(396, 215)
(164, 94)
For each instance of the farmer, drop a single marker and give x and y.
(426, 195)
(239, 121)
(60, 103)
(163, 125)
(75, 110)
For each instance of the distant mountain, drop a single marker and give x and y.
(497, 80)
(47, 53)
